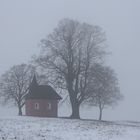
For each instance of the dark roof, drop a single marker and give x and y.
(41, 91)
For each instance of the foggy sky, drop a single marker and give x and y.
(24, 22)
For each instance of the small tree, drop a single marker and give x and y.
(104, 85)
(15, 84)
(68, 54)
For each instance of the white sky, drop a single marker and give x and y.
(24, 22)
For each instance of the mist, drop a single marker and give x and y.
(24, 23)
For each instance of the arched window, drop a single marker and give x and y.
(36, 106)
(49, 106)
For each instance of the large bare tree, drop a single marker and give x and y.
(105, 88)
(14, 84)
(68, 54)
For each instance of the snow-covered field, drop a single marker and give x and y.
(32, 128)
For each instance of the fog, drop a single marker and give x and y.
(24, 23)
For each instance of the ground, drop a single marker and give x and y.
(33, 128)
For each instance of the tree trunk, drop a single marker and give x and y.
(73, 100)
(19, 111)
(100, 115)
(75, 108)
(75, 111)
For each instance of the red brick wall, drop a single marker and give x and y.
(43, 110)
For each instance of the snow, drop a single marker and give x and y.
(34, 128)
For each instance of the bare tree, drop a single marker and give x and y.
(15, 84)
(68, 54)
(105, 88)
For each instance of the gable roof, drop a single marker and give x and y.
(41, 91)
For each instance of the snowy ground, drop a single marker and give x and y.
(31, 128)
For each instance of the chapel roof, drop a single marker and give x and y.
(37, 91)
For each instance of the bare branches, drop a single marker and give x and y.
(15, 84)
(70, 51)
(105, 87)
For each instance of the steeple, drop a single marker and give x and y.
(34, 82)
